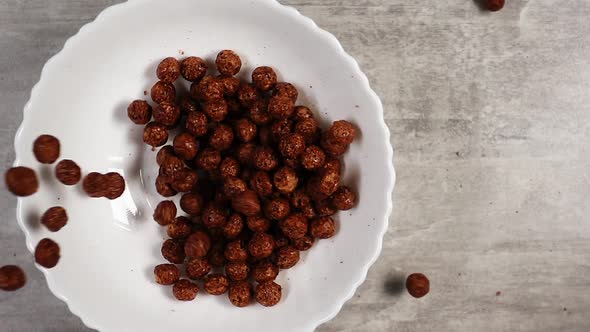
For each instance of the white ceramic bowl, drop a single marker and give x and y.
(109, 248)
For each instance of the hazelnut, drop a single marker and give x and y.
(213, 216)
(285, 180)
(139, 112)
(292, 145)
(258, 223)
(261, 245)
(164, 153)
(287, 257)
(322, 228)
(264, 78)
(417, 285)
(179, 229)
(197, 245)
(12, 278)
(185, 146)
(240, 293)
(216, 109)
(155, 134)
(197, 268)
(233, 227)
(284, 89)
(47, 253)
(268, 293)
(208, 159)
(229, 167)
(168, 70)
(173, 251)
(281, 107)
(265, 271)
(236, 252)
(246, 203)
(193, 68)
(46, 149)
(166, 274)
(260, 183)
(185, 290)
(294, 226)
(265, 159)
(228, 63)
(277, 208)
(54, 218)
(21, 181)
(68, 172)
(216, 284)
(344, 198)
(246, 130)
(192, 203)
(237, 270)
(196, 124)
(163, 92)
(222, 137)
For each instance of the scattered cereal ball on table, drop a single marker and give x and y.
(21, 181)
(192, 203)
(139, 112)
(166, 274)
(216, 284)
(228, 62)
(281, 107)
(47, 253)
(115, 185)
(234, 226)
(322, 228)
(265, 159)
(230, 84)
(235, 251)
(68, 172)
(196, 124)
(286, 180)
(268, 293)
(168, 70)
(240, 293)
(261, 245)
(197, 268)
(303, 243)
(495, 5)
(284, 89)
(264, 78)
(197, 245)
(167, 113)
(246, 203)
(54, 218)
(265, 271)
(163, 92)
(155, 134)
(208, 89)
(248, 95)
(173, 251)
(417, 285)
(193, 68)
(294, 226)
(179, 229)
(292, 145)
(213, 216)
(344, 198)
(277, 208)
(237, 270)
(185, 146)
(46, 149)
(12, 278)
(258, 223)
(287, 257)
(216, 109)
(229, 167)
(222, 137)
(185, 290)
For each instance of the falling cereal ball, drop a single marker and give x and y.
(46, 149)
(417, 285)
(47, 253)
(12, 278)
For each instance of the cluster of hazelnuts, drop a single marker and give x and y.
(260, 180)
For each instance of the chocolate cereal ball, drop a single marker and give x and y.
(281, 107)
(193, 68)
(240, 293)
(208, 159)
(165, 213)
(277, 208)
(248, 95)
(294, 226)
(228, 63)
(54, 218)
(68, 172)
(216, 284)
(12, 278)
(229, 167)
(213, 216)
(155, 134)
(234, 226)
(341, 132)
(258, 113)
(246, 130)
(265, 159)
(197, 268)
(230, 84)
(285, 180)
(163, 186)
(325, 208)
(222, 137)
(139, 112)
(300, 199)
(46, 149)
(287, 257)
(115, 185)
(322, 228)
(235, 251)
(292, 145)
(302, 113)
(258, 223)
(344, 198)
(21, 181)
(268, 293)
(172, 167)
(265, 271)
(309, 129)
(192, 203)
(313, 158)
(261, 245)
(163, 92)
(304, 243)
(216, 109)
(209, 88)
(197, 245)
(332, 148)
(185, 180)
(173, 251)
(167, 113)
(179, 229)
(168, 70)
(233, 185)
(164, 153)
(237, 270)
(284, 89)
(280, 240)
(185, 146)
(264, 78)
(197, 124)
(185, 290)
(188, 105)
(166, 274)
(47, 253)
(261, 184)
(417, 285)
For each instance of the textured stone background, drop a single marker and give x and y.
(489, 115)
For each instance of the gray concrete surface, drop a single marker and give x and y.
(489, 115)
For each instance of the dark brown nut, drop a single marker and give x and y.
(168, 70)
(248, 95)
(233, 185)
(292, 145)
(188, 105)
(192, 203)
(261, 245)
(322, 228)
(268, 293)
(185, 146)
(164, 153)
(240, 293)
(332, 148)
(54, 218)
(167, 113)
(304, 243)
(313, 158)
(208, 159)
(233, 227)
(230, 84)
(197, 268)
(302, 113)
(163, 186)
(171, 167)
(294, 226)
(344, 198)
(21, 181)
(139, 112)
(284, 89)
(185, 290)
(277, 208)
(229, 167)
(197, 245)
(193, 68)
(280, 240)
(258, 223)
(285, 180)
(237, 270)
(228, 63)
(222, 137)
(235, 251)
(216, 109)
(287, 257)
(180, 228)
(260, 183)
(309, 129)
(281, 128)
(216, 254)
(115, 185)
(173, 251)
(281, 107)
(265, 271)
(265, 159)
(325, 208)
(341, 132)
(155, 134)
(417, 285)
(209, 88)
(68, 172)
(246, 203)
(166, 274)
(264, 78)
(46, 149)
(258, 113)
(265, 136)
(300, 199)
(94, 184)
(216, 284)
(12, 278)
(165, 213)
(47, 253)
(196, 124)
(213, 217)
(246, 130)
(163, 92)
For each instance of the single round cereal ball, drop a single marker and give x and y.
(264, 78)
(222, 137)
(233, 227)
(304, 243)
(332, 148)
(231, 84)
(292, 145)
(163, 92)
(46, 149)
(265, 271)
(248, 94)
(302, 113)
(185, 290)
(258, 113)
(208, 159)
(495, 5)
(294, 226)
(417, 285)
(281, 107)
(261, 245)
(284, 89)
(164, 153)
(198, 267)
(287, 257)
(172, 167)
(209, 88)
(228, 63)
(245, 153)
(185, 146)
(94, 184)
(155, 134)
(216, 284)
(167, 113)
(12, 278)
(258, 223)
(261, 184)
(237, 270)
(166, 274)
(197, 124)
(165, 213)
(115, 185)
(300, 199)
(341, 132)
(246, 203)
(344, 198)
(240, 293)
(68, 172)
(281, 128)
(163, 186)
(139, 112)
(233, 185)
(213, 216)
(185, 180)
(322, 228)
(193, 68)
(54, 218)
(265, 158)
(197, 245)
(268, 293)
(229, 167)
(168, 70)
(325, 208)
(47, 253)
(277, 208)
(188, 105)
(173, 251)
(192, 203)
(179, 229)
(313, 158)
(235, 251)
(216, 109)
(309, 129)
(21, 181)
(285, 180)
(246, 130)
